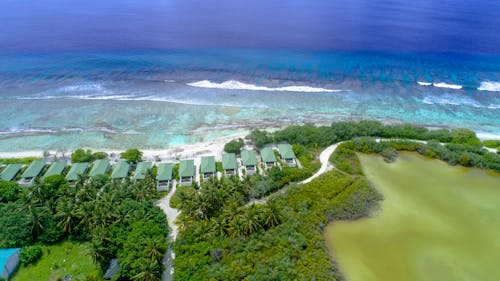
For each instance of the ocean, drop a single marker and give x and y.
(153, 74)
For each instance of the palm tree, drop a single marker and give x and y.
(251, 219)
(149, 271)
(218, 226)
(236, 228)
(67, 215)
(155, 247)
(271, 215)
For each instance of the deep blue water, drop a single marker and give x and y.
(426, 25)
(115, 74)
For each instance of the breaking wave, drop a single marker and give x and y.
(236, 85)
(441, 85)
(449, 99)
(491, 86)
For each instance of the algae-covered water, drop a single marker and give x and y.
(436, 222)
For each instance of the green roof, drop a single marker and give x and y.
(267, 155)
(10, 172)
(248, 158)
(186, 168)
(100, 167)
(286, 151)
(141, 170)
(229, 161)
(207, 164)
(55, 168)
(34, 169)
(164, 172)
(120, 170)
(77, 169)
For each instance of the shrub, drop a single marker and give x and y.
(9, 191)
(100, 155)
(81, 155)
(30, 254)
(234, 146)
(492, 143)
(132, 155)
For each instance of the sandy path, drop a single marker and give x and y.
(172, 214)
(324, 159)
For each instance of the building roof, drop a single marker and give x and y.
(248, 158)
(120, 170)
(34, 169)
(10, 172)
(286, 151)
(141, 170)
(229, 161)
(113, 268)
(207, 164)
(164, 172)
(186, 168)
(267, 155)
(55, 168)
(100, 167)
(77, 169)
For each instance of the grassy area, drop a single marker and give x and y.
(60, 260)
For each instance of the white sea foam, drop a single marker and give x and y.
(448, 99)
(424, 83)
(440, 85)
(491, 86)
(26, 131)
(449, 86)
(143, 98)
(236, 85)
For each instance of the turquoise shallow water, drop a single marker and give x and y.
(155, 99)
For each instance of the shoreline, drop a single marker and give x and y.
(187, 150)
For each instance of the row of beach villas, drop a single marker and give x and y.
(164, 175)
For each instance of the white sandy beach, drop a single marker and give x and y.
(184, 151)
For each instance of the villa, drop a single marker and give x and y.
(287, 154)
(10, 172)
(164, 175)
(56, 168)
(76, 170)
(229, 164)
(120, 171)
(142, 170)
(268, 157)
(186, 172)
(100, 167)
(249, 161)
(33, 171)
(207, 167)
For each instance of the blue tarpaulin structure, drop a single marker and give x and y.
(9, 261)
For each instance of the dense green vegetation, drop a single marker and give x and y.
(234, 146)
(454, 154)
(223, 237)
(118, 219)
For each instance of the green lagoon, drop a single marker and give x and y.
(436, 222)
